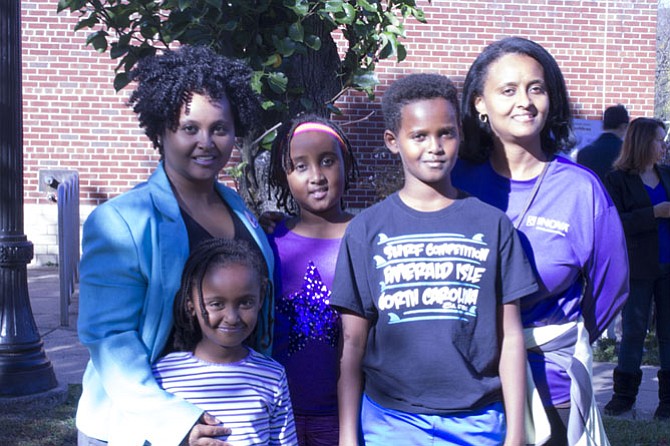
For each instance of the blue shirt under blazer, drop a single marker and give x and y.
(637, 215)
(134, 250)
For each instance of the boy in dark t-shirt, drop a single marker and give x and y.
(427, 283)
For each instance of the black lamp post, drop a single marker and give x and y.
(24, 367)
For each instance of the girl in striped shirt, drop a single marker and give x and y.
(215, 312)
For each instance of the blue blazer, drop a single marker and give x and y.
(134, 250)
(637, 215)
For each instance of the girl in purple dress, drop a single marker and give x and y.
(312, 165)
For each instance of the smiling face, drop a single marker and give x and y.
(516, 100)
(317, 178)
(232, 298)
(427, 142)
(201, 146)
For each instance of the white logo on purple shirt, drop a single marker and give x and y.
(548, 225)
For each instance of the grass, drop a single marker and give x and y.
(55, 427)
(604, 350)
(622, 432)
(43, 427)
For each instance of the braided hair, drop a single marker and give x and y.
(212, 253)
(281, 164)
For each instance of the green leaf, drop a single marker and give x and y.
(419, 15)
(118, 49)
(273, 61)
(72, 5)
(299, 7)
(215, 3)
(284, 46)
(267, 140)
(386, 51)
(277, 82)
(87, 23)
(98, 40)
(366, 6)
(256, 83)
(314, 42)
(183, 4)
(333, 6)
(333, 109)
(267, 105)
(367, 80)
(230, 25)
(392, 19)
(148, 30)
(401, 52)
(296, 32)
(120, 81)
(394, 29)
(348, 14)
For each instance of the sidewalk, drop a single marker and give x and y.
(69, 357)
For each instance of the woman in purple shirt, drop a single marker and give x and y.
(516, 117)
(640, 188)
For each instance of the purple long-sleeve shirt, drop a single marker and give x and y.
(573, 237)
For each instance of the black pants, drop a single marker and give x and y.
(558, 420)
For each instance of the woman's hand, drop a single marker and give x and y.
(269, 219)
(662, 210)
(205, 431)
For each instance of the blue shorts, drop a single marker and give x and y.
(383, 427)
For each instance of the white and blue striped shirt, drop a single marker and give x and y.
(250, 397)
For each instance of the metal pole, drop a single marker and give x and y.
(24, 367)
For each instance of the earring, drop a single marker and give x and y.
(483, 118)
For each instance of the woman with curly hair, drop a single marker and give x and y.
(192, 104)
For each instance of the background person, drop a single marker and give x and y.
(599, 156)
(192, 104)
(312, 164)
(516, 117)
(640, 189)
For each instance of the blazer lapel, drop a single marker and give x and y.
(664, 175)
(171, 247)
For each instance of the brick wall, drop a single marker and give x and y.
(73, 118)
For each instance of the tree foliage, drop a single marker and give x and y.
(270, 35)
(290, 45)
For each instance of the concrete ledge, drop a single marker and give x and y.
(42, 400)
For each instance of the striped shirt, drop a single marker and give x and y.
(250, 397)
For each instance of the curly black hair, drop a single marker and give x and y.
(168, 81)
(412, 88)
(557, 133)
(208, 254)
(280, 159)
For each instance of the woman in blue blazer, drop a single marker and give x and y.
(192, 104)
(640, 189)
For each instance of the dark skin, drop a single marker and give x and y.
(194, 154)
(205, 431)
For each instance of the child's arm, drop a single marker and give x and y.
(350, 383)
(512, 370)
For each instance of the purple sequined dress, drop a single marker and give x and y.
(306, 328)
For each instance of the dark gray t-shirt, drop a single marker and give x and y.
(430, 283)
